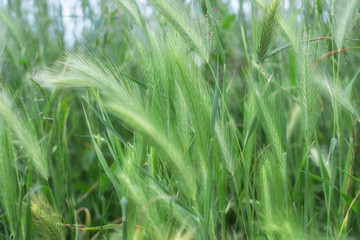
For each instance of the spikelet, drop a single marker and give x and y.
(268, 31)
(179, 18)
(24, 131)
(345, 17)
(45, 219)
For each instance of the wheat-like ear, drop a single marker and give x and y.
(345, 18)
(175, 13)
(131, 7)
(124, 100)
(79, 70)
(268, 116)
(277, 221)
(307, 92)
(306, 81)
(24, 131)
(166, 147)
(11, 24)
(270, 193)
(268, 31)
(330, 90)
(46, 220)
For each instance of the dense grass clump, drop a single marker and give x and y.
(173, 119)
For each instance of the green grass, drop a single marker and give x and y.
(192, 122)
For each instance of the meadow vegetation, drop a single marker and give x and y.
(184, 121)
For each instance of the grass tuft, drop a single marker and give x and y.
(174, 119)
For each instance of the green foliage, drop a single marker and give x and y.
(179, 120)
(8, 181)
